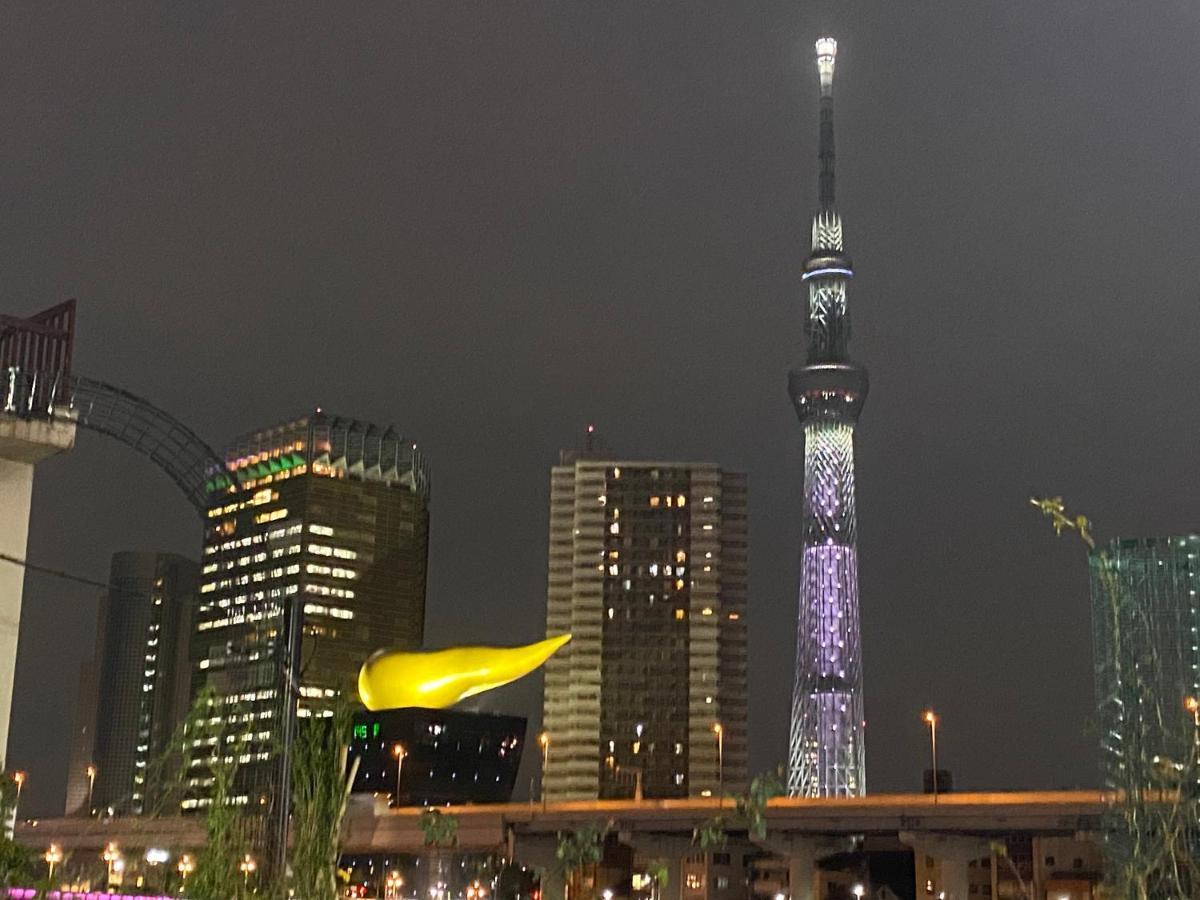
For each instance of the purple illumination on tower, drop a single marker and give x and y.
(826, 757)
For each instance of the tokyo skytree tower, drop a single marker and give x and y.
(826, 755)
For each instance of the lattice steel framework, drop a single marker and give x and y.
(48, 394)
(826, 754)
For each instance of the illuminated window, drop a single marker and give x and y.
(679, 614)
(680, 556)
(679, 584)
(654, 501)
(681, 500)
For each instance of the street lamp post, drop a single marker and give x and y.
(931, 720)
(53, 857)
(544, 742)
(186, 866)
(719, 731)
(111, 856)
(91, 775)
(399, 752)
(19, 781)
(247, 866)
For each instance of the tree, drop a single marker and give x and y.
(441, 832)
(206, 749)
(321, 782)
(17, 863)
(751, 811)
(580, 848)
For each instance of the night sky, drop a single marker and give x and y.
(493, 223)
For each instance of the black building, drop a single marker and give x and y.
(440, 755)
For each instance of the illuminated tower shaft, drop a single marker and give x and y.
(826, 757)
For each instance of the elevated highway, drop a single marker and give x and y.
(373, 828)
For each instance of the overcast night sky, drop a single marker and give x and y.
(493, 223)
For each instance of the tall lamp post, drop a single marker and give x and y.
(53, 857)
(91, 776)
(186, 867)
(719, 731)
(19, 781)
(399, 752)
(544, 742)
(111, 856)
(931, 720)
(247, 867)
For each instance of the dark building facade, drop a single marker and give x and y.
(648, 573)
(437, 756)
(319, 559)
(134, 693)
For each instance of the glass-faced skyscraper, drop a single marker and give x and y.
(1146, 641)
(825, 757)
(648, 573)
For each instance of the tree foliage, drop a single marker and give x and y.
(17, 863)
(440, 829)
(582, 847)
(321, 782)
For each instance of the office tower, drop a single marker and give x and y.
(134, 693)
(1145, 622)
(648, 572)
(825, 757)
(319, 560)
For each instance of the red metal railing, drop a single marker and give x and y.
(41, 343)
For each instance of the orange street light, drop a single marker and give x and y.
(544, 743)
(247, 866)
(931, 719)
(19, 781)
(719, 731)
(399, 752)
(1191, 704)
(53, 857)
(91, 776)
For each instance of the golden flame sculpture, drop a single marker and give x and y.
(437, 679)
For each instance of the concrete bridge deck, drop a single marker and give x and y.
(373, 828)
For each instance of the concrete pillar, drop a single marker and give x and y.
(16, 489)
(953, 854)
(803, 854)
(22, 443)
(671, 850)
(541, 852)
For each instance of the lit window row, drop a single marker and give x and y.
(331, 611)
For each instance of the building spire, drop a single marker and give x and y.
(827, 224)
(826, 57)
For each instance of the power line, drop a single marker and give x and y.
(56, 573)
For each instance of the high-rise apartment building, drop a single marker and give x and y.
(648, 572)
(1145, 626)
(318, 561)
(135, 691)
(826, 755)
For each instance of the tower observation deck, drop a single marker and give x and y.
(826, 754)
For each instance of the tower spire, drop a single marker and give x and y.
(826, 58)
